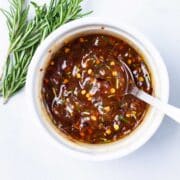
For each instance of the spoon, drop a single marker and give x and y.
(172, 111)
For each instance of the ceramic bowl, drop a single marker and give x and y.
(153, 117)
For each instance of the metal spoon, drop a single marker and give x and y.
(172, 111)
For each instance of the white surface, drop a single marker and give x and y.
(25, 152)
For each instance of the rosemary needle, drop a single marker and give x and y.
(25, 36)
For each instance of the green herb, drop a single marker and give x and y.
(54, 92)
(25, 36)
(121, 118)
(108, 67)
(106, 39)
(122, 104)
(104, 140)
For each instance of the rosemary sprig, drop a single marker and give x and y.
(25, 36)
(121, 118)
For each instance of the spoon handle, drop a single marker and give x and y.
(167, 109)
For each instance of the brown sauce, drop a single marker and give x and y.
(83, 89)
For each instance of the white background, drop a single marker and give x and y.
(26, 152)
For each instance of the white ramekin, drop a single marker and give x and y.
(153, 117)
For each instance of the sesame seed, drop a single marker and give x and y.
(81, 40)
(87, 95)
(93, 118)
(78, 75)
(101, 57)
(108, 131)
(116, 127)
(112, 90)
(97, 61)
(114, 73)
(141, 79)
(129, 61)
(67, 50)
(66, 81)
(90, 98)
(83, 92)
(89, 71)
(112, 63)
(107, 108)
(128, 115)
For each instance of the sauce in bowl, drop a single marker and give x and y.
(84, 84)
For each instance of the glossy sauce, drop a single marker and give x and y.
(83, 89)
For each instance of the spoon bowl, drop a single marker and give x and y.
(132, 89)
